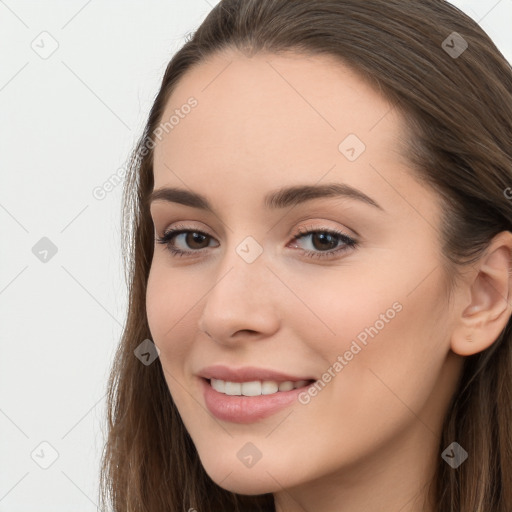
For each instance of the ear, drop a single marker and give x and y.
(487, 299)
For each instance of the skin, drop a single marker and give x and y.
(369, 439)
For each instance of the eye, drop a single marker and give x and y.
(190, 237)
(325, 242)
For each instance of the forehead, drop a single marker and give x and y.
(273, 119)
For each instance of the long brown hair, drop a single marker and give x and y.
(459, 110)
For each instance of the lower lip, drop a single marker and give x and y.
(247, 409)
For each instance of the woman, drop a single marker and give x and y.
(319, 236)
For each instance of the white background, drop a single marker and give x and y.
(67, 124)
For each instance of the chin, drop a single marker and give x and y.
(247, 486)
(242, 480)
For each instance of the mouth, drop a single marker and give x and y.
(249, 402)
(256, 387)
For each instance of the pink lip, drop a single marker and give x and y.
(247, 409)
(247, 374)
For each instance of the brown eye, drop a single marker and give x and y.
(183, 241)
(326, 242)
(193, 238)
(188, 240)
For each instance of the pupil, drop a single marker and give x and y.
(326, 238)
(196, 238)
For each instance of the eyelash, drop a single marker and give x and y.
(349, 242)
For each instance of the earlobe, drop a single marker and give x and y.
(486, 315)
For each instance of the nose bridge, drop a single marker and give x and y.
(243, 267)
(239, 298)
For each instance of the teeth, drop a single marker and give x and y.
(218, 385)
(255, 388)
(286, 386)
(269, 387)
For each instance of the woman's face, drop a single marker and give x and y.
(366, 316)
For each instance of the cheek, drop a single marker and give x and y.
(388, 325)
(392, 344)
(158, 299)
(342, 307)
(403, 341)
(170, 313)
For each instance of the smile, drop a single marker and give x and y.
(266, 399)
(256, 387)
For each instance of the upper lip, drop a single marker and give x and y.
(247, 374)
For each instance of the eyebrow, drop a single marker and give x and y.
(277, 199)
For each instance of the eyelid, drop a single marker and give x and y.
(305, 229)
(295, 232)
(348, 242)
(186, 227)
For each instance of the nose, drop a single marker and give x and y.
(242, 302)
